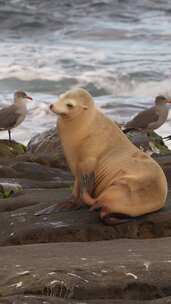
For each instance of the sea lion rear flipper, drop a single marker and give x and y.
(117, 219)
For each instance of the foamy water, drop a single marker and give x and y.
(118, 50)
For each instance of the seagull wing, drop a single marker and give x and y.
(143, 119)
(8, 117)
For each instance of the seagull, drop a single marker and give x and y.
(12, 116)
(151, 118)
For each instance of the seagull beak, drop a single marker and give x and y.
(29, 97)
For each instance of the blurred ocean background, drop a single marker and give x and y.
(120, 50)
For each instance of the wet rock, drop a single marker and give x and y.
(158, 142)
(28, 198)
(69, 225)
(41, 184)
(123, 271)
(34, 171)
(11, 149)
(165, 163)
(151, 142)
(72, 267)
(37, 171)
(44, 158)
(32, 299)
(7, 189)
(7, 172)
(11, 187)
(45, 148)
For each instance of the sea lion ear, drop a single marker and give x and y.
(84, 107)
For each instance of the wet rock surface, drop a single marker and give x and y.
(70, 256)
(19, 223)
(27, 299)
(45, 148)
(129, 270)
(151, 142)
(10, 149)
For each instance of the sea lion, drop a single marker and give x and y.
(110, 172)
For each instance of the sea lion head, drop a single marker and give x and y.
(72, 103)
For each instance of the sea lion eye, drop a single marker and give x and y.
(69, 105)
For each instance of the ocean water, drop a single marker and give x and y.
(120, 50)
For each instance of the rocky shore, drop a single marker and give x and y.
(71, 256)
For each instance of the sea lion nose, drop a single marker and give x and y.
(51, 107)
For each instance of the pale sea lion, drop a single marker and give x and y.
(110, 172)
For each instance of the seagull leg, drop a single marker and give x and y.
(9, 133)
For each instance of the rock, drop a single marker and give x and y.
(165, 163)
(30, 197)
(45, 148)
(158, 142)
(37, 171)
(41, 184)
(72, 267)
(69, 225)
(42, 187)
(33, 299)
(7, 189)
(151, 142)
(18, 169)
(11, 149)
(115, 271)
(7, 171)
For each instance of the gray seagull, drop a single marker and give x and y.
(12, 116)
(151, 118)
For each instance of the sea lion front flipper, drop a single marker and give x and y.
(86, 176)
(87, 183)
(87, 187)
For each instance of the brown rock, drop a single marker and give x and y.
(127, 270)
(83, 271)
(165, 163)
(69, 225)
(7, 171)
(30, 299)
(45, 148)
(10, 149)
(31, 197)
(36, 171)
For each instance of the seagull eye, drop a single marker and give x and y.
(69, 105)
